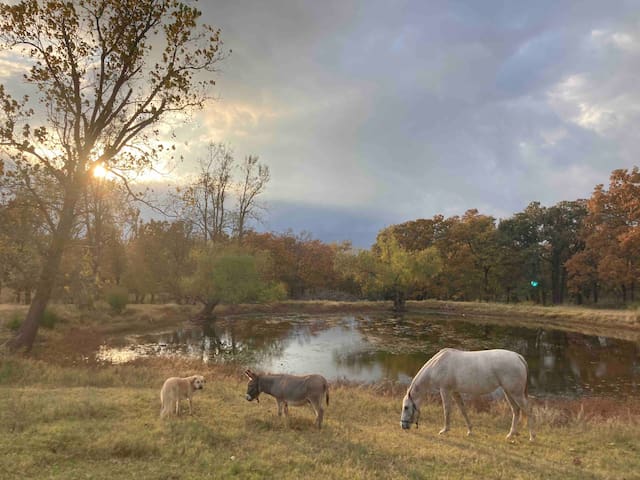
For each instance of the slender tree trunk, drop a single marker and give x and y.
(26, 335)
(399, 301)
(555, 279)
(485, 281)
(206, 314)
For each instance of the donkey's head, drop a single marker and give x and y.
(253, 387)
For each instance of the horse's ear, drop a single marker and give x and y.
(250, 374)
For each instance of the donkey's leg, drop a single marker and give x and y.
(515, 410)
(460, 403)
(317, 407)
(446, 406)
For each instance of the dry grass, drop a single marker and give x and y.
(69, 419)
(81, 422)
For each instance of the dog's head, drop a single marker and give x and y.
(197, 382)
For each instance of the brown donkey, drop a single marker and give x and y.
(290, 389)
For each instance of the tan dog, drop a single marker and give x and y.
(176, 389)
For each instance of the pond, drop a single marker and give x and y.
(369, 348)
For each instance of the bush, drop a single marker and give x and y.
(117, 298)
(15, 322)
(49, 319)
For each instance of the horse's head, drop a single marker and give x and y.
(410, 412)
(253, 387)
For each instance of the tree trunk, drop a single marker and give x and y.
(556, 284)
(206, 314)
(26, 335)
(485, 283)
(399, 301)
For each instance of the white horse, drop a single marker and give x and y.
(453, 372)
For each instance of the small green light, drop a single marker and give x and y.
(534, 283)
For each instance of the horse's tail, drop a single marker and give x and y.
(526, 381)
(326, 392)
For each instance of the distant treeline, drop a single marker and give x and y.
(581, 251)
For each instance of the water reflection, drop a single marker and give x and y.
(371, 348)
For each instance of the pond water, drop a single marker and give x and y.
(373, 348)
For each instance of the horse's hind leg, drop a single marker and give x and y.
(524, 404)
(446, 406)
(460, 403)
(515, 410)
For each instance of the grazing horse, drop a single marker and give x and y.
(453, 372)
(290, 389)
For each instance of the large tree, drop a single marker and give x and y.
(103, 73)
(390, 270)
(230, 274)
(611, 235)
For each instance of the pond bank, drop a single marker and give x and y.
(555, 316)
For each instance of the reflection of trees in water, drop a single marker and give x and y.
(391, 366)
(559, 362)
(231, 340)
(396, 348)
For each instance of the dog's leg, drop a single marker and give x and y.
(178, 408)
(190, 407)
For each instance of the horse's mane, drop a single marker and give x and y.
(433, 361)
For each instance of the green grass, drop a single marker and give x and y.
(103, 422)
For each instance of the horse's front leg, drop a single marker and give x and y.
(446, 406)
(460, 403)
(280, 402)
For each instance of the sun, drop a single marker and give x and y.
(100, 172)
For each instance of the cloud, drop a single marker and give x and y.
(370, 113)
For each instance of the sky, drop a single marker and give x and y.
(371, 113)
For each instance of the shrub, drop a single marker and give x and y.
(49, 319)
(117, 298)
(15, 322)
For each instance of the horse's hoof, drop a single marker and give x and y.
(468, 433)
(443, 431)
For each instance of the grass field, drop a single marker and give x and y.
(102, 422)
(60, 420)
